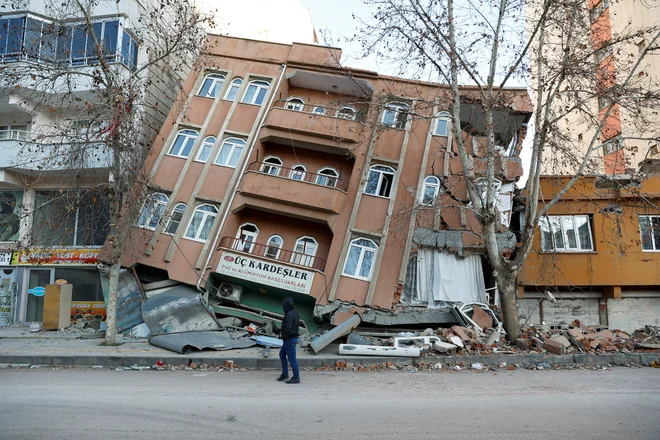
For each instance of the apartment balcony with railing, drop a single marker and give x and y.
(274, 253)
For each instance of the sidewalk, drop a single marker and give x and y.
(20, 347)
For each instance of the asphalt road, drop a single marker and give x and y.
(93, 404)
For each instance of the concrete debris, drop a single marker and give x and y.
(371, 350)
(456, 341)
(477, 366)
(443, 347)
(342, 329)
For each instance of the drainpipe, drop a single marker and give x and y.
(245, 164)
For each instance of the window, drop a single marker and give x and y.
(380, 181)
(347, 113)
(273, 247)
(305, 251)
(246, 236)
(233, 89)
(183, 144)
(230, 152)
(152, 211)
(566, 233)
(431, 190)
(319, 110)
(395, 115)
(649, 226)
(360, 260)
(296, 104)
(129, 51)
(612, 145)
(16, 132)
(297, 173)
(256, 92)
(598, 9)
(212, 85)
(175, 219)
(482, 188)
(442, 124)
(327, 177)
(270, 166)
(201, 222)
(205, 151)
(11, 210)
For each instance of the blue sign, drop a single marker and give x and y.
(38, 291)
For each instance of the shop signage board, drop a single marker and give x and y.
(87, 311)
(266, 272)
(56, 256)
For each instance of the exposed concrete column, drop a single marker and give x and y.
(26, 221)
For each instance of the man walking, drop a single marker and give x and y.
(289, 335)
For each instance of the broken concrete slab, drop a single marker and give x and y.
(563, 340)
(483, 319)
(576, 333)
(357, 339)
(553, 346)
(461, 332)
(185, 342)
(341, 330)
(456, 341)
(444, 347)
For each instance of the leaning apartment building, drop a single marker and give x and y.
(286, 175)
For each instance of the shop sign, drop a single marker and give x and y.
(56, 256)
(265, 272)
(87, 311)
(5, 258)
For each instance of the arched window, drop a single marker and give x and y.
(360, 259)
(327, 177)
(201, 222)
(245, 237)
(230, 152)
(381, 179)
(319, 110)
(152, 211)
(395, 115)
(346, 112)
(296, 104)
(305, 251)
(256, 92)
(297, 172)
(271, 165)
(234, 87)
(273, 247)
(205, 151)
(431, 190)
(441, 128)
(212, 85)
(184, 142)
(175, 219)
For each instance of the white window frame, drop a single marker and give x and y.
(235, 83)
(156, 204)
(320, 176)
(259, 84)
(268, 247)
(373, 169)
(11, 132)
(303, 258)
(436, 189)
(652, 232)
(239, 245)
(548, 220)
(267, 167)
(233, 142)
(442, 116)
(340, 115)
(363, 250)
(295, 103)
(175, 210)
(217, 81)
(205, 144)
(300, 173)
(482, 188)
(397, 108)
(187, 137)
(320, 110)
(205, 215)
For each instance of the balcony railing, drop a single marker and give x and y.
(298, 174)
(14, 134)
(347, 112)
(273, 253)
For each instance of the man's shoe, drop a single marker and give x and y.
(293, 380)
(281, 378)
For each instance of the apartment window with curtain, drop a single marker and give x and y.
(566, 233)
(649, 226)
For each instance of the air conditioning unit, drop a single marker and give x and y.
(230, 293)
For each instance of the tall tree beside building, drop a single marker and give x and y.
(108, 84)
(575, 67)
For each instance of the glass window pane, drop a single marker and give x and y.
(190, 141)
(204, 91)
(194, 225)
(206, 228)
(367, 261)
(386, 185)
(645, 227)
(249, 95)
(49, 41)
(64, 43)
(235, 156)
(655, 224)
(15, 36)
(388, 117)
(110, 35)
(204, 153)
(223, 156)
(441, 127)
(96, 33)
(54, 218)
(569, 232)
(178, 143)
(582, 224)
(32, 38)
(78, 45)
(350, 268)
(429, 194)
(4, 29)
(156, 215)
(93, 219)
(372, 183)
(11, 208)
(261, 95)
(134, 54)
(555, 223)
(546, 234)
(125, 47)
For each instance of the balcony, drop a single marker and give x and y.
(313, 192)
(273, 253)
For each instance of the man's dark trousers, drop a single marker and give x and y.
(288, 350)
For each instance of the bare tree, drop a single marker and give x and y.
(553, 48)
(102, 105)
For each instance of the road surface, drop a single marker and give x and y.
(623, 403)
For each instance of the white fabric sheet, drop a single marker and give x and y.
(445, 277)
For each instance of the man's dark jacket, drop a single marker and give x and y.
(291, 320)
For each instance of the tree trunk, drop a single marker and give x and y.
(507, 288)
(111, 311)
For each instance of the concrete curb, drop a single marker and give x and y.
(273, 362)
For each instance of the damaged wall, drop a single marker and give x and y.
(629, 314)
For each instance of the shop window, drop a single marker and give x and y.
(381, 179)
(347, 113)
(230, 152)
(395, 115)
(175, 219)
(152, 211)
(256, 92)
(649, 226)
(273, 247)
(296, 104)
(86, 283)
(212, 85)
(431, 190)
(271, 165)
(234, 87)
(305, 251)
(183, 144)
(327, 177)
(246, 237)
(201, 223)
(360, 260)
(297, 172)
(205, 151)
(442, 120)
(11, 209)
(566, 233)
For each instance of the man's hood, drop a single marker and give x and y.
(287, 304)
